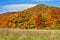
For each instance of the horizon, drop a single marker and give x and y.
(27, 7)
(19, 5)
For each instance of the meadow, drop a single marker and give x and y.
(19, 34)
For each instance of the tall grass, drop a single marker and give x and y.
(17, 34)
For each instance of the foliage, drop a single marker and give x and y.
(38, 17)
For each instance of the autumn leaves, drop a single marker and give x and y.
(38, 17)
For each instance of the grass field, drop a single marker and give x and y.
(17, 34)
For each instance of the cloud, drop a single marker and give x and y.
(15, 7)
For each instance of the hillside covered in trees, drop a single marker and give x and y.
(38, 17)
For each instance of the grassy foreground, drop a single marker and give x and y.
(17, 34)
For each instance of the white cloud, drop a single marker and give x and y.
(16, 7)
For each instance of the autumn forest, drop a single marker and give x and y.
(38, 17)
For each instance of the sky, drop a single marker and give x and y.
(19, 5)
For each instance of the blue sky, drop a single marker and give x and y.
(19, 5)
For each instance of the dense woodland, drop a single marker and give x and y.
(38, 17)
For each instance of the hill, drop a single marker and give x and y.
(39, 17)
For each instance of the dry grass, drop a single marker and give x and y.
(17, 34)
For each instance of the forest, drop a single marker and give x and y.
(38, 17)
